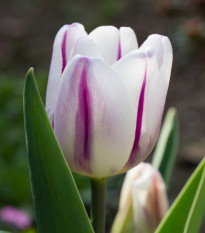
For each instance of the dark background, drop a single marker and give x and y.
(27, 31)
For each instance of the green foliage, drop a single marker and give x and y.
(167, 145)
(57, 202)
(83, 184)
(30, 230)
(14, 182)
(197, 210)
(186, 213)
(124, 221)
(14, 175)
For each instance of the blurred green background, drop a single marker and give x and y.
(27, 31)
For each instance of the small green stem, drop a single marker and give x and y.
(98, 187)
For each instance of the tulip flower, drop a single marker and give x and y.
(150, 202)
(143, 201)
(105, 96)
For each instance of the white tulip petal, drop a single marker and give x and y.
(87, 47)
(55, 72)
(107, 37)
(74, 33)
(131, 69)
(150, 202)
(94, 118)
(167, 59)
(132, 175)
(155, 42)
(162, 48)
(128, 40)
(155, 96)
(64, 41)
(138, 68)
(147, 134)
(157, 91)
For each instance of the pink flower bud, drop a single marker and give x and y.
(105, 96)
(143, 198)
(16, 217)
(150, 202)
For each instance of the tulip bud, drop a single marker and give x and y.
(150, 202)
(143, 198)
(105, 97)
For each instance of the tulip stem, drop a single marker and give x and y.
(98, 187)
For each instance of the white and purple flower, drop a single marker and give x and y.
(150, 202)
(105, 96)
(143, 201)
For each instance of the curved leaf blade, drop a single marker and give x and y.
(58, 205)
(197, 210)
(167, 146)
(180, 213)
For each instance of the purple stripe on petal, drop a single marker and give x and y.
(119, 50)
(63, 50)
(82, 151)
(156, 203)
(147, 215)
(133, 157)
(52, 121)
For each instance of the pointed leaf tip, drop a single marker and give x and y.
(57, 202)
(186, 213)
(30, 73)
(29, 76)
(31, 69)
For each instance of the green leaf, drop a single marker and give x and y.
(58, 205)
(30, 230)
(186, 213)
(197, 210)
(124, 220)
(167, 145)
(4, 231)
(83, 185)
